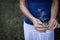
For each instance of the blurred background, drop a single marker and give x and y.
(11, 21)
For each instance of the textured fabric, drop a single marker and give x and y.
(31, 34)
(39, 9)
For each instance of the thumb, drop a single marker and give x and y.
(58, 26)
(39, 22)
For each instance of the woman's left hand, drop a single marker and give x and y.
(53, 24)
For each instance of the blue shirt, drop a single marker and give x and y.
(40, 9)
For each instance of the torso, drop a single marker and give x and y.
(39, 9)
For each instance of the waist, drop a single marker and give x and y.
(43, 19)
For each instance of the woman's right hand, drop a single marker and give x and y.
(38, 25)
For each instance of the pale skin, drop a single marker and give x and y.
(54, 10)
(36, 22)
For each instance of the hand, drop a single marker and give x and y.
(38, 25)
(52, 24)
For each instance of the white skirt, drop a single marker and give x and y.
(30, 33)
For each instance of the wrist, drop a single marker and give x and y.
(53, 19)
(33, 19)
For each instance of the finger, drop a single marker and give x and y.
(39, 22)
(41, 29)
(38, 26)
(58, 26)
(49, 28)
(55, 26)
(52, 26)
(45, 25)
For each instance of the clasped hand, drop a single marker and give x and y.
(39, 26)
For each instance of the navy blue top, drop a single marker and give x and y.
(40, 9)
